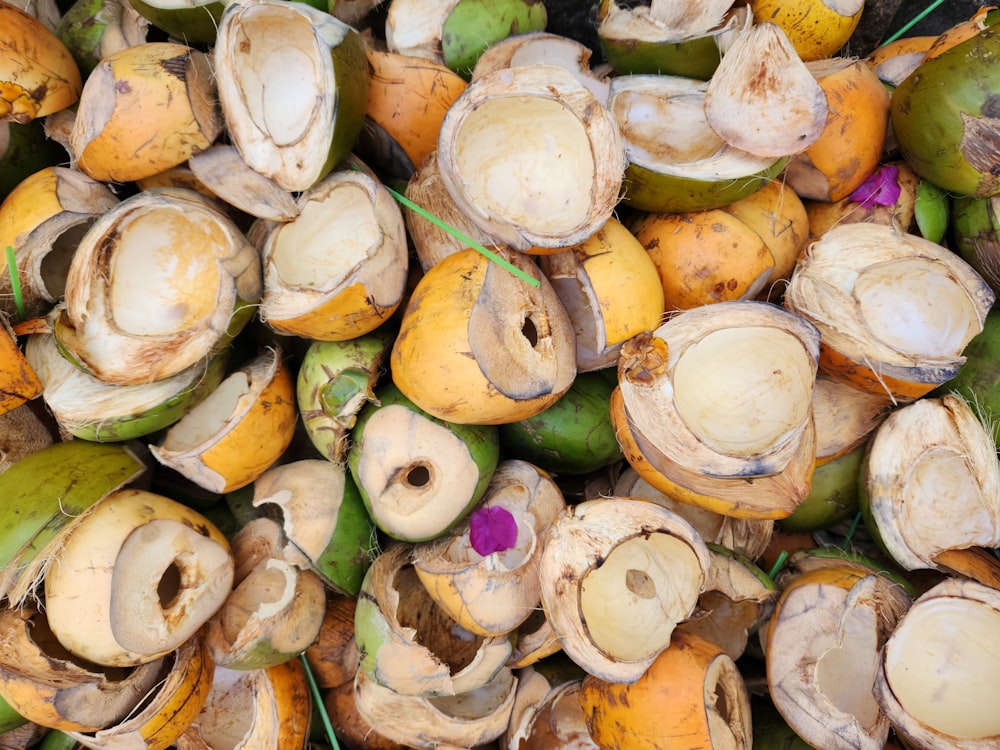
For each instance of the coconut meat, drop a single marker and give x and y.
(415, 493)
(164, 273)
(729, 721)
(527, 159)
(664, 20)
(943, 666)
(743, 391)
(230, 710)
(632, 601)
(209, 416)
(915, 307)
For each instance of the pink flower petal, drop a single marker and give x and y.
(881, 188)
(492, 529)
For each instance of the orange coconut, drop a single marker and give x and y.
(408, 98)
(959, 33)
(850, 146)
(18, 382)
(705, 257)
(692, 695)
(816, 28)
(896, 60)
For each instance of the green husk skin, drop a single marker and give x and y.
(832, 498)
(655, 192)
(350, 552)
(335, 380)
(28, 151)
(9, 718)
(47, 492)
(196, 24)
(483, 442)
(351, 78)
(946, 115)
(82, 29)
(975, 230)
(931, 210)
(574, 435)
(697, 57)
(474, 25)
(978, 378)
(770, 730)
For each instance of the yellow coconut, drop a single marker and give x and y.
(38, 75)
(480, 345)
(145, 109)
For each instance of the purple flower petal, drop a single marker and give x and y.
(492, 529)
(881, 188)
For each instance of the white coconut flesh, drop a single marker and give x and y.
(529, 160)
(163, 280)
(168, 579)
(728, 707)
(943, 666)
(419, 475)
(915, 308)
(664, 20)
(633, 600)
(550, 49)
(205, 420)
(413, 27)
(742, 391)
(275, 87)
(230, 711)
(924, 451)
(477, 704)
(823, 651)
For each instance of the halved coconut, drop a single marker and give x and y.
(409, 645)
(823, 646)
(618, 575)
(258, 709)
(922, 450)
(719, 395)
(895, 310)
(937, 680)
(609, 287)
(238, 431)
(90, 409)
(338, 270)
(676, 160)
(154, 571)
(492, 593)
(669, 37)
(42, 220)
(47, 685)
(293, 82)
(158, 283)
(762, 98)
(471, 719)
(503, 165)
(168, 711)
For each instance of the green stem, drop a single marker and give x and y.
(319, 704)
(461, 236)
(778, 564)
(15, 283)
(909, 25)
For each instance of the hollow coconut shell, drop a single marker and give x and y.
(944, 119)
(521, 340)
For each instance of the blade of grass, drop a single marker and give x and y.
(910, 24)
(15, 283)
(319, 704)
(461, 236)
(851, 530)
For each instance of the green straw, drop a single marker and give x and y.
(851, 530)
(463, 238)
(318, 702)
(778, 564)
(15, 283)
(907, 26)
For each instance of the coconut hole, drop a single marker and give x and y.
(169, 586)
(530, 332)
(418, 475)
(435, 630)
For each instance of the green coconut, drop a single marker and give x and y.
(572, 436)
(946, 115)
(975, 230)
(25, 150)
(194, 21)
(833, 496)
(418, 475)
(474, 25)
